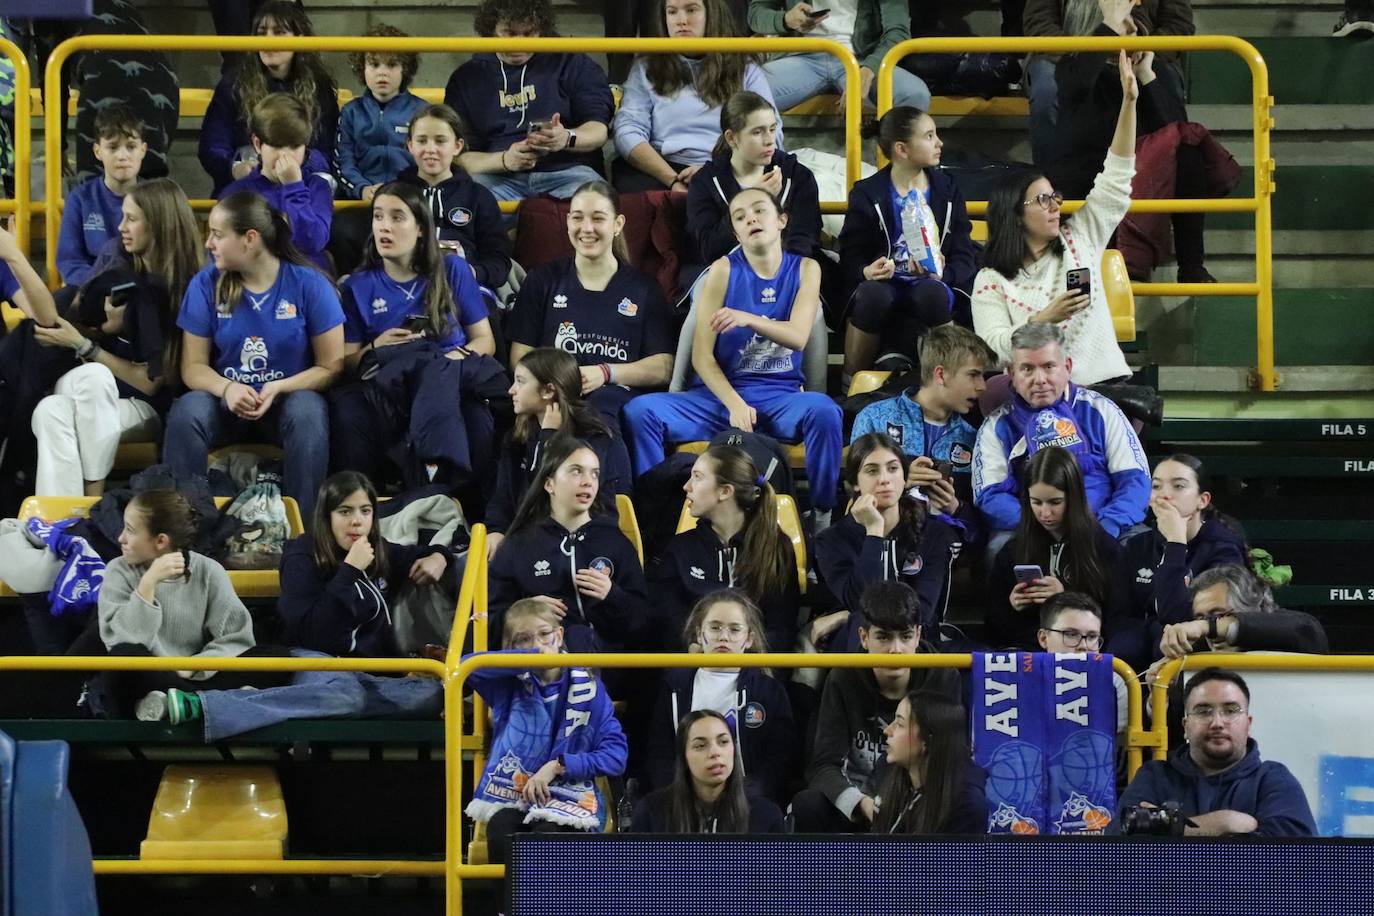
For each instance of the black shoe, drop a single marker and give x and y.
(1353, 21)
(1137, 402)
(1197, 274)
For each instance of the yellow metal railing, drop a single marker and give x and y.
(458, 675)
(53, 119)
(254, 866)
(21, 205)
(1262, 103)
(1236, 661)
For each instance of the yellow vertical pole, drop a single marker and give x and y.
(23, 143)
(1264, 225)
(53, 119)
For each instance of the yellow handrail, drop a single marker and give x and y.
(23, 140)
(1262, 104)
(140, 866)
(52, 80)
(458, 679)
(1236, 661)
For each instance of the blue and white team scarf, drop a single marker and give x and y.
(528, 740)
(77, 586)
(1044, 728)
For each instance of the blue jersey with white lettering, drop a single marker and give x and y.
(373, 302)
(266, 336)
(744, 355)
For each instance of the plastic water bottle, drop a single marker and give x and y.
(912, 234)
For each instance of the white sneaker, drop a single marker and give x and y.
(1350, 23)
(152, 708)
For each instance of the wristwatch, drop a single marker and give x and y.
(572, 141)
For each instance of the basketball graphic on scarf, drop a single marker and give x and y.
(529, 739)
(1015, 774)
(1086, 764)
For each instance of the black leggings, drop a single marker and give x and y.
(507, 822)
(900, 311)
(1191, 183)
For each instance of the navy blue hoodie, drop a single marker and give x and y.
(695, 564)
(1009, 627)
(541, 558)
(653, 814)
(1152, 585)
(709, 233)
(849, 561)
(1263, 789)
(344, 612)
(870, 231)
(224, 131)
(499, 101)
(519, 460)
(467, 213)
(765, 732)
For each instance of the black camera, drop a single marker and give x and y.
(1164, 821)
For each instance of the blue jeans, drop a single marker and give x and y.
(298, 422)
(1044, 109)
(320, 695)
(560, 183)
(797, 77)
(654, 420)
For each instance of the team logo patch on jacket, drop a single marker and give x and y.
(961, 456)
(913, 565)
(285, 310)
(753, 715)
(1054, 431)
(603, 565)
(895, 430)
(460, 216)
(627, 308)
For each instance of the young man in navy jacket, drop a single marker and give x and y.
(1217, 778)
(537, 121)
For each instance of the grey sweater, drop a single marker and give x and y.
(202, 616)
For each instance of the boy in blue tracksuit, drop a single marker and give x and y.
(928, 422)
(93, 211)
(280, 131)
(537, 121)
(373, 128)
(1046, 410)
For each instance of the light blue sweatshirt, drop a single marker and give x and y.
(681, 127)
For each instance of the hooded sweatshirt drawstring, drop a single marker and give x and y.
(505, 86)
(568, 548)
(366, 589)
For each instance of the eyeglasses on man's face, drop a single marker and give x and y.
(1229, 712)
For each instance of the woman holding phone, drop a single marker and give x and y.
(1031, 253)
(1059, 546)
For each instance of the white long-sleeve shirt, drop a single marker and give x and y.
(1000, 306)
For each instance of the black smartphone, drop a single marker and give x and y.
(121, 293)
(539, 126)
(416, 324)
(1080, 279)
(817, 14)
(946, 469)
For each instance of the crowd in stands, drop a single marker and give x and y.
(392, 352)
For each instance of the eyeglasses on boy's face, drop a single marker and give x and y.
(547, 638)
(1075, 638)
(1045, 200)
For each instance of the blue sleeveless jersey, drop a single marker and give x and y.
(744, 355)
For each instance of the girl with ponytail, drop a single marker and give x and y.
(595, 305)
(748, 155)
(263, 338)
(749, 700)
(736, 544)
(888, 535)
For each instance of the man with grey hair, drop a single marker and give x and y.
(1046, 410)
(1234, 611)
(1045, 18)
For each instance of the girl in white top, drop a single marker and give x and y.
(1029, 254)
